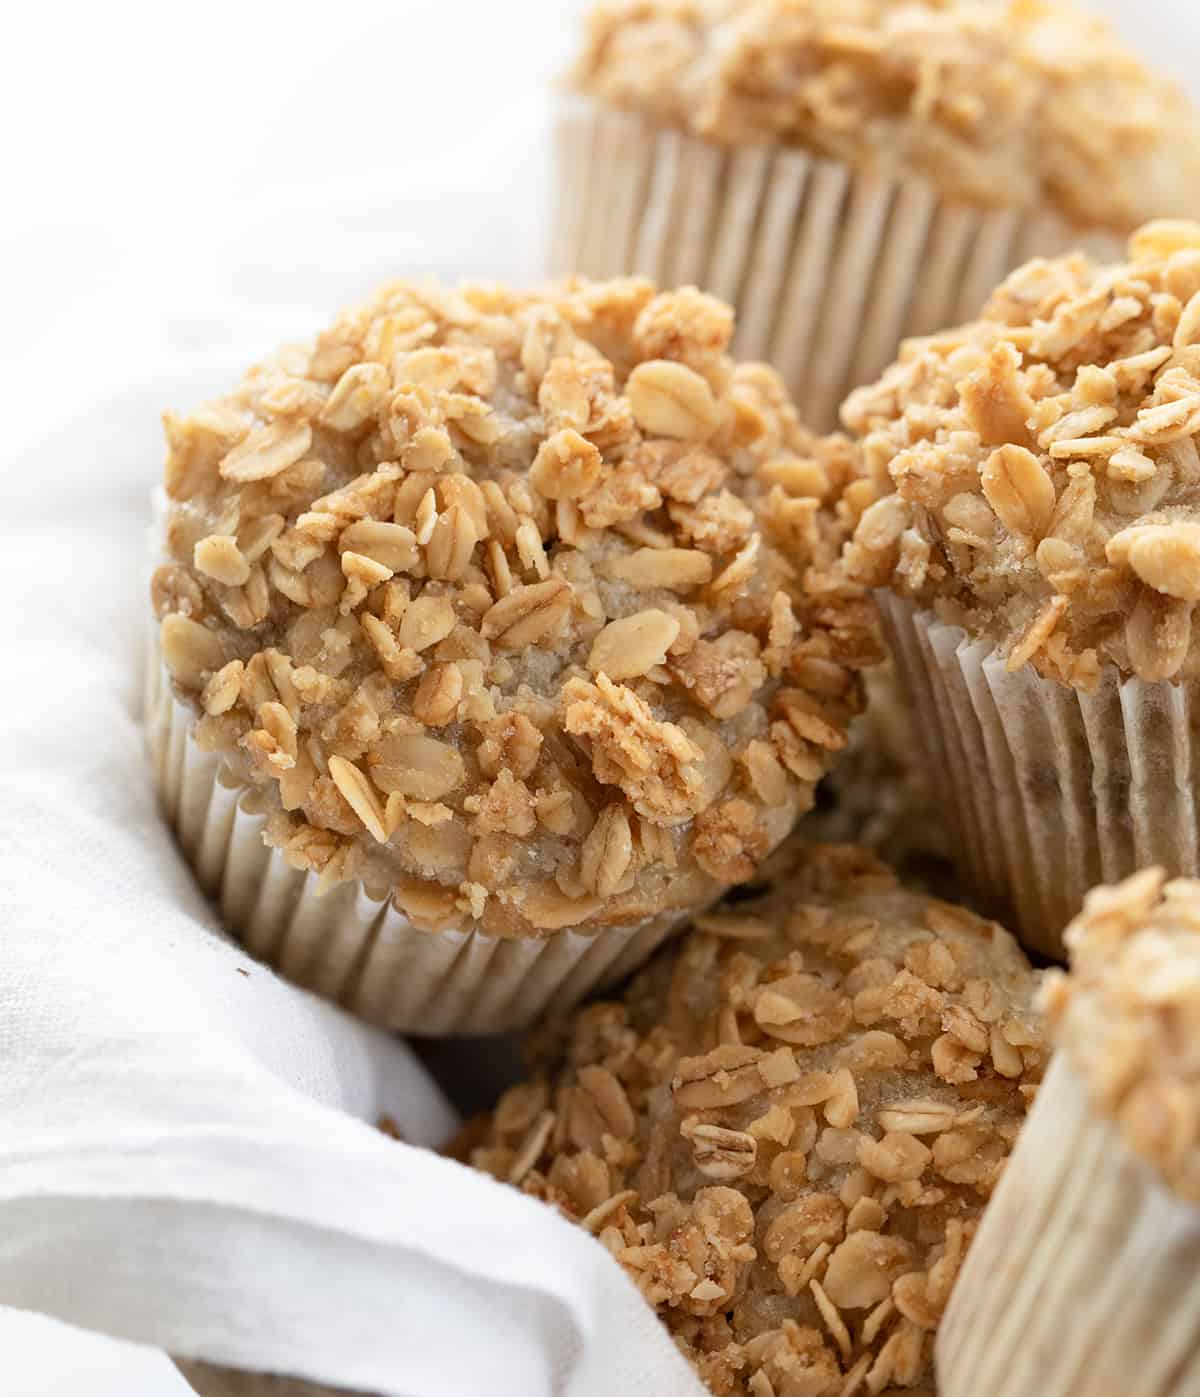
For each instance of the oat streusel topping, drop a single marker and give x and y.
(1128, 1016)
(1044, 466)
(520, 607)
(786, 1130)
(1023, 103)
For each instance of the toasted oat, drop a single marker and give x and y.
(192, 652)
(1070, 534)
(1126, 1016)
(797, 1214)
(1016, 104)
(503, 601)
(671, 400)
(634, 645)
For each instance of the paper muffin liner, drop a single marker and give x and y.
(352, 948)
(1083, 1278)
(829, 269)
(1050, 790)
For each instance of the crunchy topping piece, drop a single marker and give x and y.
(360, 795)
(501, 600)
(723, 1155)
(627, 648)
(797, 1214)
(607, 852)
(1126, 1015)
(671, 400)
(1044, 466)
(1019, 490)
(191, 651)
(528, 615)
(566, 466)
(266, 452)
(1015, 104)
(654, 763)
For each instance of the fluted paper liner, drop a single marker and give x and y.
(1051, 790)
(829, 268)
(349, 947)
(1083, 1278)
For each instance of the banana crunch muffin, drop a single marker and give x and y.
(516, 608)
(1041, 469)
(1083, 1276)
(787, 1128)
(1023, 103)
(1037, 541)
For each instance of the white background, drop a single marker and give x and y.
(169, 170)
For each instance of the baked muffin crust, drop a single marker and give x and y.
(1039, 470)
(518, 607)
(1128, 1017)
(1024, 103)
(787, 1128)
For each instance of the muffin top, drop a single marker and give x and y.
(786, 1130)
(1128, 1016)
(519, 607)
(1020, 103)
(1039, 466)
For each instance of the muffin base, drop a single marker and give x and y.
(1081, 1281)
(1051, 791)
(829, 268)
(349, 947)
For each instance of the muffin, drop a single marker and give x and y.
(1038, 535)
(786, 1129)
(498, 633)
(1082, 1277)
(849, 173)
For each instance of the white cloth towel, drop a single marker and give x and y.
(188, 1156)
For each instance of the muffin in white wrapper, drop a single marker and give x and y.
(765, 153)
(498, 634)
(1038, 553)
(1051, 789)
(787, 1127)
(1082, 1278)
(346, 945)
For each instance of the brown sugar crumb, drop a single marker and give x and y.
(1044, 467)
(788, 1127)
(523, 605)
(1014, 103)
(1128, 1016)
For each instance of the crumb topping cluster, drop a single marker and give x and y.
(520, 607)
(1128, 1016)
(1022, 103)
(1044, 466)
(787, 1129)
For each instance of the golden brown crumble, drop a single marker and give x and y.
(1128, 1016)
(521, 607)
(787, 1129)
(1045, 468)
(1024, 103)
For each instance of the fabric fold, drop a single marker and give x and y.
(190, 1156)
